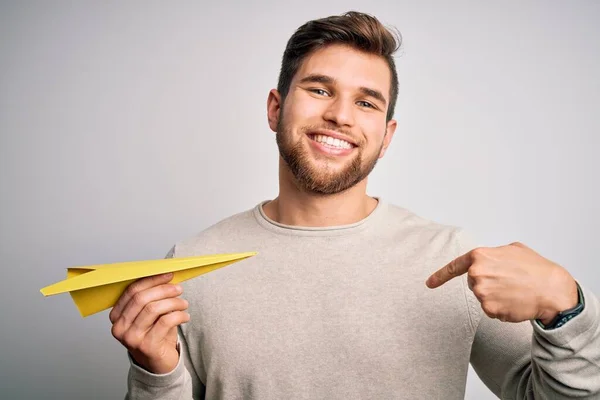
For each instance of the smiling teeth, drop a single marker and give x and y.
(328, 140)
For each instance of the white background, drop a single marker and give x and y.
(126, 126)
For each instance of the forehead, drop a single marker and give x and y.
(349, 67)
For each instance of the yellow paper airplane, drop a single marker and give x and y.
(95, 288)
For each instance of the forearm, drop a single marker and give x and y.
(176, 385)
(180, 384)
(566, 361)
(524, 361)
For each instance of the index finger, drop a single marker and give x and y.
(454, 268)
(135, 287)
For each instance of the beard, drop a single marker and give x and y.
(321, 180)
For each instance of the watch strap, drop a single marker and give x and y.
(567, 315)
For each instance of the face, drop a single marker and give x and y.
(332, 128)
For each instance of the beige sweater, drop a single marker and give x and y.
(344, 313)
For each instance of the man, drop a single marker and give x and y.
(350, 296)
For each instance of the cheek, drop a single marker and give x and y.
(303, 109)
(374, 129)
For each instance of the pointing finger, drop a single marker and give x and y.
(454, 268)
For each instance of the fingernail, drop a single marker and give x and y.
(179, 288)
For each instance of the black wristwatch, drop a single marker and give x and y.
(567, 315)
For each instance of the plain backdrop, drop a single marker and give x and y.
(127, 126)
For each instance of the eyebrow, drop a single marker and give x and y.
(374, 93)
(318, 78)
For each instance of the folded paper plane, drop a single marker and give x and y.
(95, 288)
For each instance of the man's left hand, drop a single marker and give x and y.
(513, 283)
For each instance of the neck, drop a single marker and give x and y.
(297, 207)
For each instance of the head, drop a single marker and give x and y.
(333, 107)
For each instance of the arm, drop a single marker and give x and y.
(519, 359)
(159, 347)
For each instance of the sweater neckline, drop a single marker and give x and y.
(336, 230)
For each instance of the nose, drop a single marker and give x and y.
(340, 112)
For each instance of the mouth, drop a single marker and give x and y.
(329, 145)
(334, 142)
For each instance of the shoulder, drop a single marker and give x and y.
(404, 224)
(435, 244)
(212, 237)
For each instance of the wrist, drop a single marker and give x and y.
(162, 366)
(565, 315)
(558, 301)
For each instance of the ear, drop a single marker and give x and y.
(273, 109)
(389, 134)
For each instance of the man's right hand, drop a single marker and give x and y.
(145, 320)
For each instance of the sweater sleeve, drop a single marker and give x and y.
(180, 384)
(524, 361)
